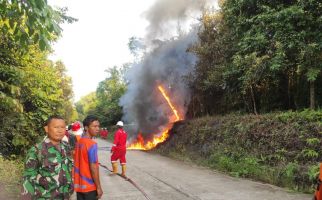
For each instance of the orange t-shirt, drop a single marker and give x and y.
(85, 154)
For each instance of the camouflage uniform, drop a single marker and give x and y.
(48, 172)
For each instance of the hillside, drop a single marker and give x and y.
(283, 149)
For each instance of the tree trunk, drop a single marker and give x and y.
(289, 85)
(312, 95)
(253, 98)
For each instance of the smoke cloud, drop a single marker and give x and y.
(165, 62)
(165, 16)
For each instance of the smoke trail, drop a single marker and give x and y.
(165, 63)
(165, 15)
(142, 103)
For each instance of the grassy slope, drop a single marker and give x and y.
(278, 148)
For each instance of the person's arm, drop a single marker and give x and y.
(116, 140)
(93, 166)
(95, 175)
(30, 185)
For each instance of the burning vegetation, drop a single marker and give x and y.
(141, 144)
(157, 93)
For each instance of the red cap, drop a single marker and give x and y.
(76, 126)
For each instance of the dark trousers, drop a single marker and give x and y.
(92, 195)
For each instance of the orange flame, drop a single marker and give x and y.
(140, 144)
(175, 112)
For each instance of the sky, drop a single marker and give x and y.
(98, 40)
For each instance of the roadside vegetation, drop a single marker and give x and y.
(32, 87)
(283, 149)
(10, 179)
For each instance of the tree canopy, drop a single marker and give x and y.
(32, 22)
(259, 56)
(31, 86)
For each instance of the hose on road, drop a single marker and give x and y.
(128, 179)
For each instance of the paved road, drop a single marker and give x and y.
(162, 178)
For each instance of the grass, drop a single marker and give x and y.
(10, 177)
(277, 148)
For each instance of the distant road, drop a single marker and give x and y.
(162, 178)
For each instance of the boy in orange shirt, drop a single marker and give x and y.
(86, 170)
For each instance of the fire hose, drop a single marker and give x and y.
(129, 180)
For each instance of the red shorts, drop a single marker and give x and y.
(119, 154)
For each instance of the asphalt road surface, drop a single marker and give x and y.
(161, 178)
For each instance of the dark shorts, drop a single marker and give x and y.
(87, 195)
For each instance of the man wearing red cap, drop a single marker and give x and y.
(76, 134)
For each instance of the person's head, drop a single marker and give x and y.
(120, 124)
(55, 128)
(91, 125)
(76, 126)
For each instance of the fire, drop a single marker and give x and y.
(140, 144)
(175, 112)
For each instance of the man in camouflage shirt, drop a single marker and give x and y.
(48, 166)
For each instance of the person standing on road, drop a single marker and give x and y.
(86, 169)
(119, 148)
(48, 166)
(76, 134)
(104, 133)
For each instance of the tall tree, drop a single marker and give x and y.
(273, 38)
(136, 47)
(86, 105)
(109, 92)
(207, 81)
(29, 90)
(65, 83)
(34, 94)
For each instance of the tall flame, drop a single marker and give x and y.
(175, 112)
(140, 144)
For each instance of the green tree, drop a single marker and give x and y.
(32, 22)
(257, 56)
(274, 38)
(136, 47)
(11, 108)
(207, 81)
(41, 93)
(109, 92)
(30, 93)
(9, 77)
(65, 83)
(29, 84)
(86, 105)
